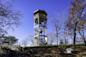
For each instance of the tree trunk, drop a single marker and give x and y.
(82, 35)
(74, 39)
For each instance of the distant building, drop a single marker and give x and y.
(40, 21)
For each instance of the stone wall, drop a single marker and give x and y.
(54, 52)
(46, 51)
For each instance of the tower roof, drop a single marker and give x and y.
(39, 11)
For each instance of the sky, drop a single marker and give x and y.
(56, 9)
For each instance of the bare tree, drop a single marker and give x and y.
(57, 29)
(75, 17)
(51, 38)
(82, 33)
(65, 37)
(8, 17)
(25, 42)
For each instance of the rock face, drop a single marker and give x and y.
(42, 52)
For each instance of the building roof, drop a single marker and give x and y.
(39, 11)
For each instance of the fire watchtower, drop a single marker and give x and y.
(40, 21)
